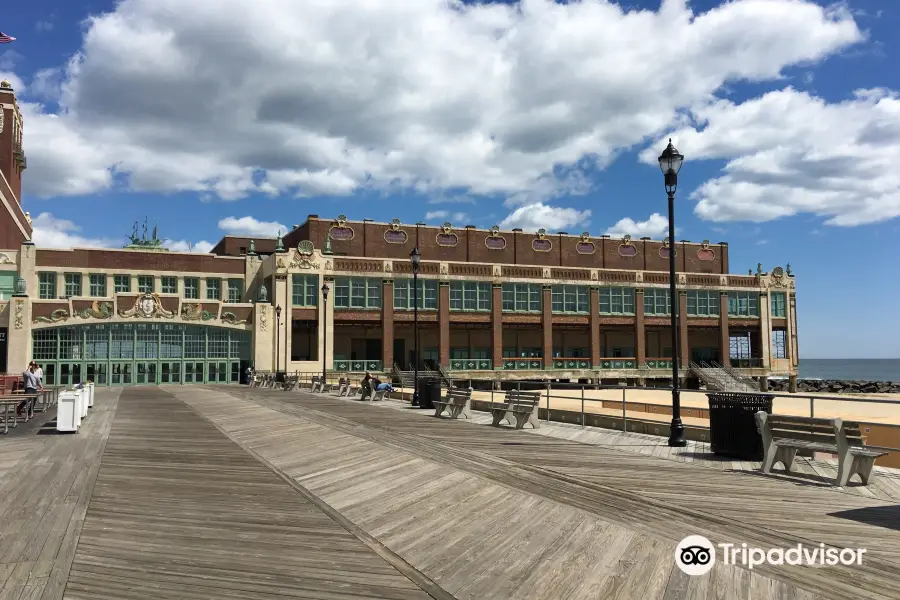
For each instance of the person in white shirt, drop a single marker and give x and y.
(40, 373)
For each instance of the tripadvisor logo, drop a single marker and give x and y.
(696, 555)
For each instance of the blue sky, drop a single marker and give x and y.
(230, 117)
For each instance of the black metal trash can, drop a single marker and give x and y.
(280, 376)
(429, 391)
(732, 425)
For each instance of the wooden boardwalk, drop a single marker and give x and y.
(226, 492)
(502, 513)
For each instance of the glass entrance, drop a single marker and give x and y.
(193, 372)
(121, 374)
(217, 372)
(69, 373)
(145, 372)
(97, 372)
(170, 372)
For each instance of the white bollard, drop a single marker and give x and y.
(90, 392)
(68, 412)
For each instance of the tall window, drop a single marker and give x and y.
(122, 284)
(145, 284)
(470, 296)
(743, 304)
(427, 294)
(98, 285)
(235, 290)
(192, 288)
(616, 301)
(169, 285)
(656, 302)
(703, 303)
(46, 286)
(522, 297)
(779, 301)
(213, 288)
(779, 343)
(305, 290)
(357, 292)
(73, 284)
(570, 299)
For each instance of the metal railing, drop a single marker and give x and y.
(471, 364)
(746, 363)
(356, 366)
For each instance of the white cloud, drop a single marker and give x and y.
(328, 97)
(532, 217)
(459, 218)
(789, 153)
(250, 227)
(50, 232)
(201, 247)
(657, 226)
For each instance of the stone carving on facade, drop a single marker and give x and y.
(303, 256)
(329, 265)
(388, 266)
(263, 313)
(585, 245)
(705, 252)
(541, 243)
(263, 295)
(195, 312)
(60, 314)
(787, 270)
(723, 280)
(498, 271)
(97, 310)
(340, 231)
(18, 317)
(279, 264)
(495, 241)
(759, 270)
(147, 306)
(445, 270)
(627, 247)
(682, 279)
(595, 275)
(639, 277)
(231, 319)
(546, 273)
(395, 235)
(5, 259)
(778, 279)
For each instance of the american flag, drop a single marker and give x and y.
(5, 39)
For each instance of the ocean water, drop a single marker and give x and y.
(867, 369)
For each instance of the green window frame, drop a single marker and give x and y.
(470, 296)
(235, 290)
(73, 284)
(743, 304)
(779, 343)
(572, 299)
(146, 284)
(616, 301)
(47, 286)
(779, 305)
(522, 297)
(656, 302)
(168, 285)
(213, 288)
(192, 288)
(122, 284)
(97, 285)
(427, 294)
(305, 290)
(357, 293)
(703, 303)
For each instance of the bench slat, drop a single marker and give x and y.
(820, 438)
(786, 419)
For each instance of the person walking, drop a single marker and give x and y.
(31, 383)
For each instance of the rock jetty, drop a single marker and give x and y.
(834, 386)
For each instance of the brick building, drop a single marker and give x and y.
(516, 304)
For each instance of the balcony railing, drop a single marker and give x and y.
(523, 364)
(618, 363)
(746, 363)
(659, 363)
(471, 364)
(357, 366)
(571, 363)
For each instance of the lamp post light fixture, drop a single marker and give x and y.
(278, 343)
(325, 289)
(414, 258)
(670, 163)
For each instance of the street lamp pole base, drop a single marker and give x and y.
(676, 434)
(415, 400)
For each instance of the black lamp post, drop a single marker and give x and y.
(414, 258)
(278, 344)
(670, 163)
(325, 328)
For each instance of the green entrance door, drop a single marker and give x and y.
(170, 372)
(121, 373)
(193, 372)
(145, 372)
(217, 372)
(69, 373)
(97, 372)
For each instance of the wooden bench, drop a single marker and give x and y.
(784, 435)
(291, 382)
(318, 385)
(456, 402)
(8, 405)
(343, 386)
(519, 408)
